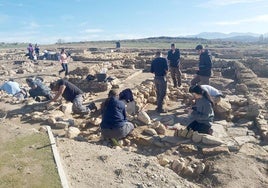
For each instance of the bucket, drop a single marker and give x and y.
(101, 77)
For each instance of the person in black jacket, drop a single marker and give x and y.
(174, 65)
(205, 65)
(160, 68)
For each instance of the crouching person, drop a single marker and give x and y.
(114, 122)
(202, 113)
(38, 89)
(71, 93)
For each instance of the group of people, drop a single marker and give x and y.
(114, 123)
(33, 52)
(201, 113)
(40, 92)
(114, 119)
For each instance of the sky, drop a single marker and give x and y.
(47, 21)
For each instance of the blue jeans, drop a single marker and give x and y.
(161, 90)
(64, 68)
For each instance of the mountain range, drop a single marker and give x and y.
(245, 37)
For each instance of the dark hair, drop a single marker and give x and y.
(198, 90)
(158, 53)
(199, 47)
(53, 85)
(112, 93)
(172, 45)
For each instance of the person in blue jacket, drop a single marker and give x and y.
(205, 65)
(114, 124)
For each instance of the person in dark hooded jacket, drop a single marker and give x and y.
(205, 65)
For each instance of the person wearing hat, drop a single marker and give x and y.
(202, 113)
(174, 65)
(71, 93)
(114, 124)
(205, 65)
(160, 68)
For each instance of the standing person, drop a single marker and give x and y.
(205, 64)
(71, 93)
(30, 51)
(64, 62)
(174, 65)
(37, 51)
(114, 123)
(160, 68)
(202, 113)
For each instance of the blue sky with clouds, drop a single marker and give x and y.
(86, 20)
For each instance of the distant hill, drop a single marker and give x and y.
(241, 37)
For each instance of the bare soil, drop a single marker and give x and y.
(96, 164)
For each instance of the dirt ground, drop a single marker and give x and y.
(94, 164)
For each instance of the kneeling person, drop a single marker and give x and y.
(114, 122)
(38, 89)
(71, 93)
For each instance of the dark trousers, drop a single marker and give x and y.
(39, 92)
(161, 90)
(200, 80)
(64, 68)
(176, 75)
(199, 127)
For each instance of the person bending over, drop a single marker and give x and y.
(202, 113)
(71, 93)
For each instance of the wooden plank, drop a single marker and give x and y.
(62, 175)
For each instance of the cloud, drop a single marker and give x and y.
(256, 19)
(217, 3)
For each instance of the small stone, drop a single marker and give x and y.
(72, 132)
(163, 161)
(188, 171)
(215, 150)
(178, 166)
(144, 117)
(197, 137)
(43, 129)
(211, 140)
(199, 168)
(150, 132)
(61, 125)
(161, 129)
